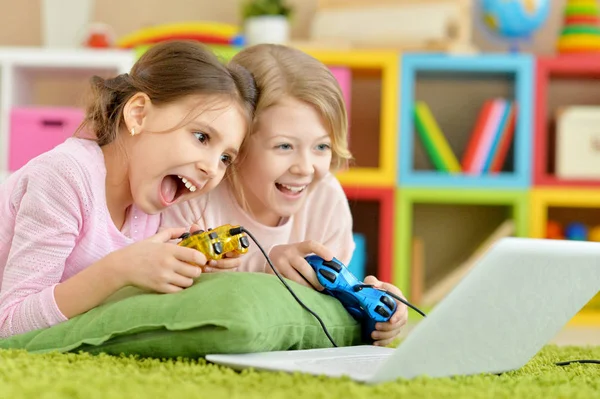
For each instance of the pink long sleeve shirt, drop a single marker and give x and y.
(55, 223)
(325, 217)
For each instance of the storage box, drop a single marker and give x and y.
(578, 142)
(35, 130)
(344, 78)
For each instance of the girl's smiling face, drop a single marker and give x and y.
(287, 154)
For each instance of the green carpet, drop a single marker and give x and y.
(24, 375)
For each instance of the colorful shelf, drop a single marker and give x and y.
(517, 200)
(385, 247)
(543, 198)
(519, 65)
(547, 68)
(388, 63)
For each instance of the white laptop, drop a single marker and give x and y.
(516, 299)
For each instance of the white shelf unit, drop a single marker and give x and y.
(19, 66)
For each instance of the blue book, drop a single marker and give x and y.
(507, 105)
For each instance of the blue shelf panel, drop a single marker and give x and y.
(523, 68)
(431, 178)
(486, 63)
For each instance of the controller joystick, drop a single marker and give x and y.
(367, 305)
(215, 243)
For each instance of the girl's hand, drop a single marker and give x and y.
(386, 332)
(157, 265)
(290, 263)
(228, 263)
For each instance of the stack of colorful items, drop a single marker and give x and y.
(224, 39)
(581, 28)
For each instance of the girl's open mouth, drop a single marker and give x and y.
(174, 186)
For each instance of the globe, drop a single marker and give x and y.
(514, 19)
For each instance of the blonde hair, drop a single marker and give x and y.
(281, 71)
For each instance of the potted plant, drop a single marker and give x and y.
(266, 21)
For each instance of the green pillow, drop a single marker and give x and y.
(221, 313)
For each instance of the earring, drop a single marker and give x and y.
(133, 131)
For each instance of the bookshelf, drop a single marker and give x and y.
(517, 69)
(513, 203)
(552, 71)
(373, 130)
(575, 205)
(23, 70)
(545, 198)
(373, 212)
(563, 80)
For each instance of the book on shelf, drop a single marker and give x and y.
(473, 147)
(506, 138)
(491, 137)
(434, 141)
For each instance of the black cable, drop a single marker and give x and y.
(289, 288)
(359, 287)
(404, 301)
(568, 362)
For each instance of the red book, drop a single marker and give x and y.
(476, 136)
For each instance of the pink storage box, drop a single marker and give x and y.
(35, 130)
(344, 78)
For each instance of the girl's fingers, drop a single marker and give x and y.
(225, 263)
(181, 281)
(292, 274)
(186, 270)
(189, 255)
(304, 269)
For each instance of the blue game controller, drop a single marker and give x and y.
(366, 304)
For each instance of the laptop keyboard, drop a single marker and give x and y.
(350, 365)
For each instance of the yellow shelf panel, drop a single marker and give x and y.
(388, 143)
(356, 58)
(586, 318)
(543, 198)
(368, 177)
(389, 64)
(567, 196)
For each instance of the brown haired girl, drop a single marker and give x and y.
(80, 221)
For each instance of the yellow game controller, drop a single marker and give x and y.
(215, 243)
